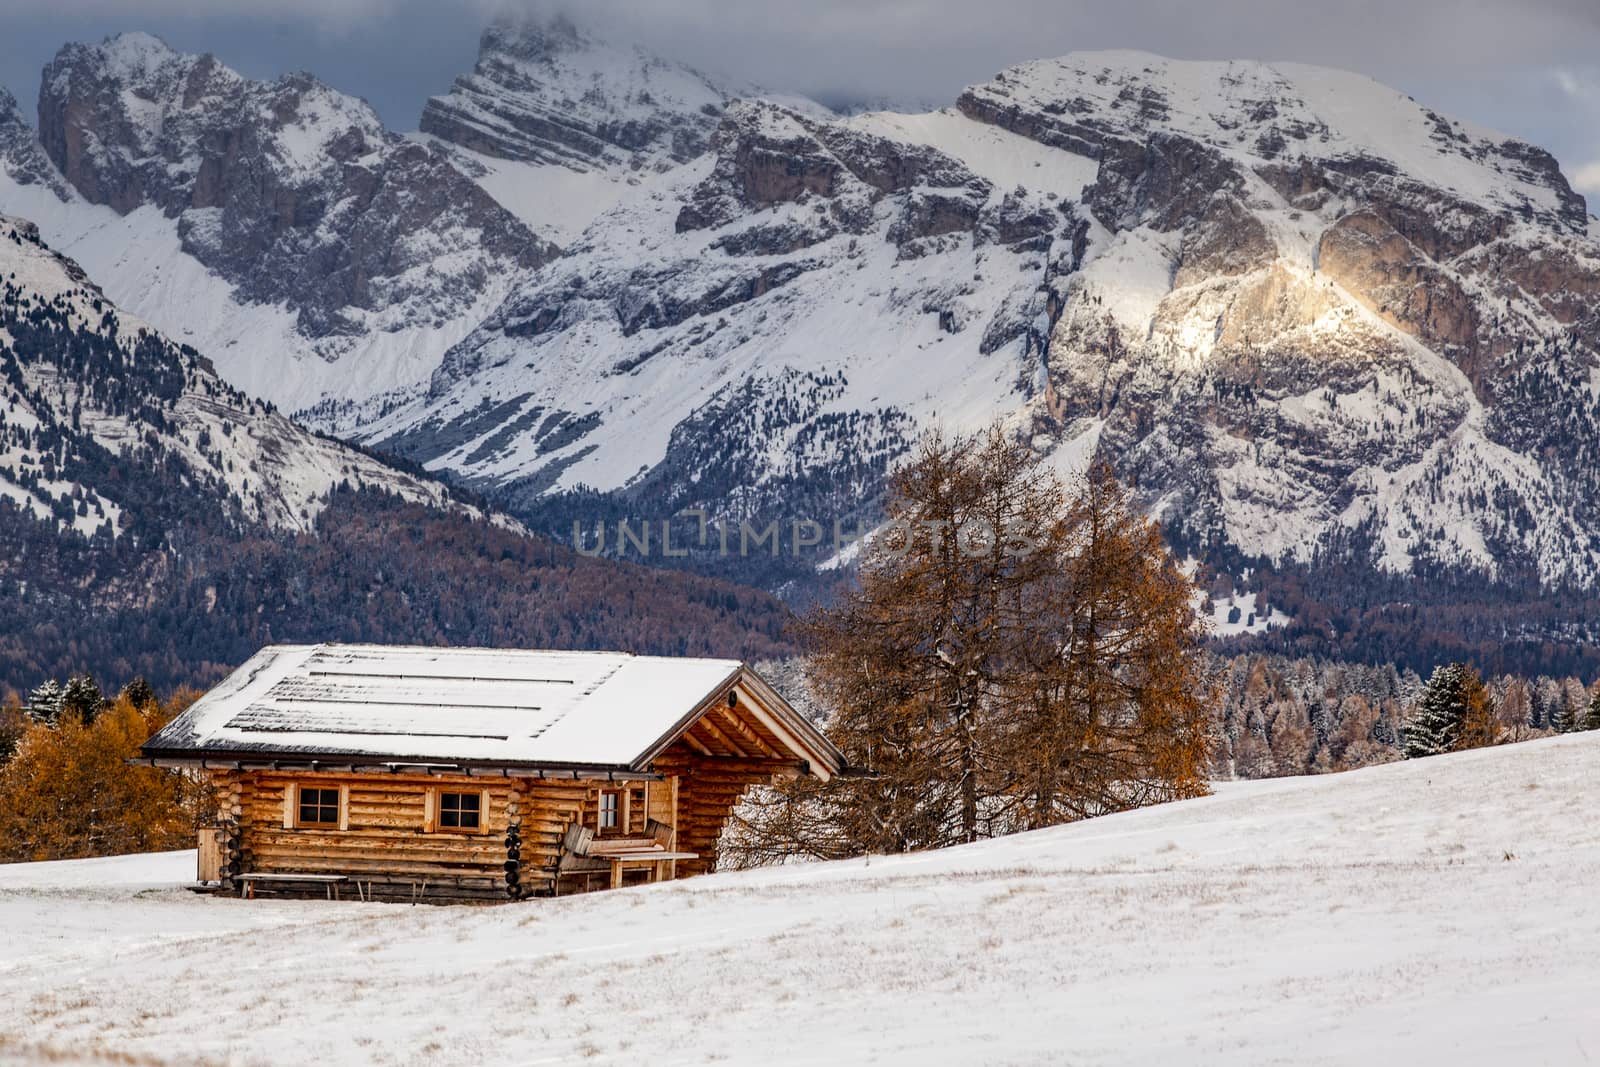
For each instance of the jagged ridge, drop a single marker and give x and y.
(1304, 313)
(154, 520)
(263, 219)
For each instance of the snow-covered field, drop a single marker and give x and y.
(1438, 912)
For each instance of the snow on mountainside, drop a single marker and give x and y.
(87, 388)
(276, 225)
(1318, 311)
(1307, 315)
(815, 279)
(1439, 911)
(157, 522)
(557, 126)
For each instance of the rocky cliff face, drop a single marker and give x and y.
(277, 224)
(291, 191)
(553, 94)
(1305, 314)
(1310, 303)
(768, 326)
(23, 162)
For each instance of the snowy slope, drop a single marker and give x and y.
(275, 225)
(1438, 912)
(62, 415)
(1305, 313)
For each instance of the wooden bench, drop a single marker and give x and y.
(583, 853)
(330, 881)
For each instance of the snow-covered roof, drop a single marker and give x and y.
(470, 707)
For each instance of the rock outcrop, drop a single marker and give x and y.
(550, 93)
(22, 160)
(1305, 314)
(292, 192)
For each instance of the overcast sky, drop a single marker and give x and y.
(1529, 67)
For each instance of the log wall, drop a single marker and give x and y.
(709, 788)
(385, 843)
(385, 846)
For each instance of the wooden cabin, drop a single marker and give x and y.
(448, 774)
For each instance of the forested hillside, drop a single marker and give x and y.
(374, 568)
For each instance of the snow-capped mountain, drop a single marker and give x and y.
(85, 386)
(276, 225)
(558, 125)
(158, 521)
(1318, 313)
(1310, 318)
(1303, 312)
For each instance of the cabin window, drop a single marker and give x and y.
(455, 811)
(609, 810)
(460, 811)
(319, 807)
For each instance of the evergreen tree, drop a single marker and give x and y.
(139, 693)
(1437, 720)
(44, 703)
(1591, 717)
(82, 698)
(1454, 713)
(1563, 715)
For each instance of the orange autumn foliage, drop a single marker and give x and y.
(68, 792)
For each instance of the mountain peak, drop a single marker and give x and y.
(1271, 113)
(136, 52)
(533, 40)
(348, 249)
(551, 93)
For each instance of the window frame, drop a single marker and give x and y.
(433, 811)
(615, 796)
(459, 810)
(631, 799)
(292, 819)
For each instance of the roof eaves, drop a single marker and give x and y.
(791, 717)
(660, 745)
(250, 760)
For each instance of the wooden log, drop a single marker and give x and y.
(757, 744)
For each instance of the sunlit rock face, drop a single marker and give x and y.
(1315, 313)
(1303, 313)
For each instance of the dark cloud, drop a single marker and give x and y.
(1525, 66)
